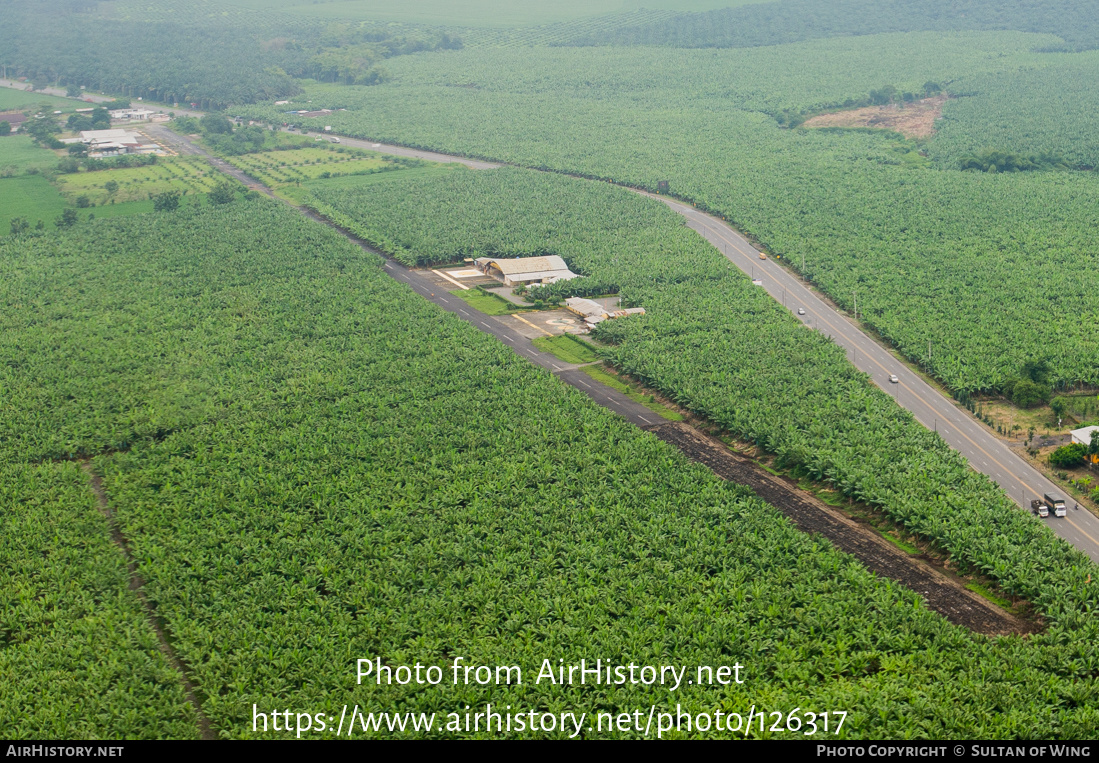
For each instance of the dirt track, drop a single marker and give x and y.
(942, 594)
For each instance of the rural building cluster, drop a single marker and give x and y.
(106, 143)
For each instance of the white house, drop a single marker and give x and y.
(1083, 436)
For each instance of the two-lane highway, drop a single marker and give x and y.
(984, 451)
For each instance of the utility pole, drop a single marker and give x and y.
(856, 297)
(929, 350)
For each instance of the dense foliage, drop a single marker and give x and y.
(78, 657)
(209, 53)
(931, 252)
(717, 345)
(212, 66)
(1043, 111)
(312, 464)
(786, 21)
(1068, 456)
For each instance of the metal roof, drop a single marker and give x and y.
(89, 135)
(585, 307)
(548, 265)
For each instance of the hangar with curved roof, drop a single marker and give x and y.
(522, 270)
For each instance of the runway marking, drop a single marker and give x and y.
(444, 275)
(524, 320)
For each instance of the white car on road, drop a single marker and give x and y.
(893, 379)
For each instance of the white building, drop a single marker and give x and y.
(102, 143)
(521, 270)
(89, 136)
(1083, 436)
(131, 115)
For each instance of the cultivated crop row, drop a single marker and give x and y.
(188, 175)
(314, 465)
(1046, 112)
(724, 349)
(281, 167)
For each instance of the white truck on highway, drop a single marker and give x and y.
(1057, 503)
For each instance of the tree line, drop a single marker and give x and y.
(210, 66)
(786, 21)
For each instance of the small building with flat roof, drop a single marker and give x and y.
(523, 270)
(131, 115)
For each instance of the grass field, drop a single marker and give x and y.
(33, 197)
(566, 347)
(186, 175)
(141, 207)
(300, 194)
(30, 196)
(20, 100)
(489, 304)
(18, 154)
(476, 13)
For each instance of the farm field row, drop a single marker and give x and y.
(719, 347)
(32, 188)
(927, 251)
(184, 174)
(298, 448)
(280, 168)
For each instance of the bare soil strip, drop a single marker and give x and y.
(137, 585)
(913, 120)
(942, 594)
